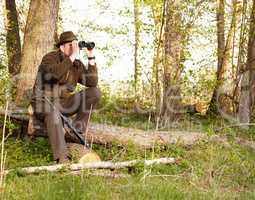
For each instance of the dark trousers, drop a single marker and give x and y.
(77, 105)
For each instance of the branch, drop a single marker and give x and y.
(234, 125)
(19, 114)
(107, 134)
(108, 174)
(95, 165)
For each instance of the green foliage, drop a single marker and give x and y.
(10, 126)
(195, 87)
(207, 170)
(202, 171)
(21, 153)
(7, 87)
(119, 108)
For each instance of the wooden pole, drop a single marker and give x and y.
(95, 165)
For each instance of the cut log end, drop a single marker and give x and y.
(81, 154)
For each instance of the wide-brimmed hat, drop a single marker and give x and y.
(67, 36)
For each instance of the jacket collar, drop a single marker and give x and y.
(62, 57)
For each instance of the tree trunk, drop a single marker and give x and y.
(251, 57)
(224, 87)
(158, 12)
(59, 23)
(244, 102)
(80, 153)
(248, 79)
(12, 37)
(137, 73)
(225, 76)
(172, 63)
(107, 134)
(220, 33)
(220, 16)
(104, 134)
(242, 53)
(38, 40)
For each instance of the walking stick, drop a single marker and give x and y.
(69, 125)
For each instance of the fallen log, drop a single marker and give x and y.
(107, 134)
(105, 173)
(18, 114)
(95, 165)
(223, 140)
(81, 154)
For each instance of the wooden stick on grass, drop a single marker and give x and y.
(3, 157)
(96, 165)
(87, 126)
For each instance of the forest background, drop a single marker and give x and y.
(163, 65)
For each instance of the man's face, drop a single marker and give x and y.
(67, 48)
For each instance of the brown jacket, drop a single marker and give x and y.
(58, 76)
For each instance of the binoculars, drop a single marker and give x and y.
(88, 45)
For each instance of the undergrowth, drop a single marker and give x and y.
(206, 170)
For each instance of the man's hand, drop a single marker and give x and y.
(90, 53)
(75, 50)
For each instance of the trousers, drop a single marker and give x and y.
(77, 106)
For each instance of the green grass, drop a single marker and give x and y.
(51, 186)
(207, 170)
(21, 153)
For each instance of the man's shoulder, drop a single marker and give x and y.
(52, 54)
(78, 62)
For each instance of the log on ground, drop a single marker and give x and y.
(81, 154)
(95, 165)
(107, 134)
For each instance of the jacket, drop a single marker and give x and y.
(58, 76)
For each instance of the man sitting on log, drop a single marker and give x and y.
(54, 92)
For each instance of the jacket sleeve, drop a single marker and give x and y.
(57, 69)
(88, 75)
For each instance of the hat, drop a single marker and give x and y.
(67, 36)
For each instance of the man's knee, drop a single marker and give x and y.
(53, 117)
(93, 92)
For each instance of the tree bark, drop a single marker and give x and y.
(248, 79)
(158, 12)
(251, 58)
(244, 101)
(138, 70)
(96, 165)
(81, 154)
(172, 63)
(220, 16)
(242, 53)
(13, 45)
(38, 40)
(59, 23)
(225, 76)
(221, 102)
(107, 134)
(220, 33)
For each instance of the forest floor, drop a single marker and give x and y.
(205, 170)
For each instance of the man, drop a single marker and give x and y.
(54, 92)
